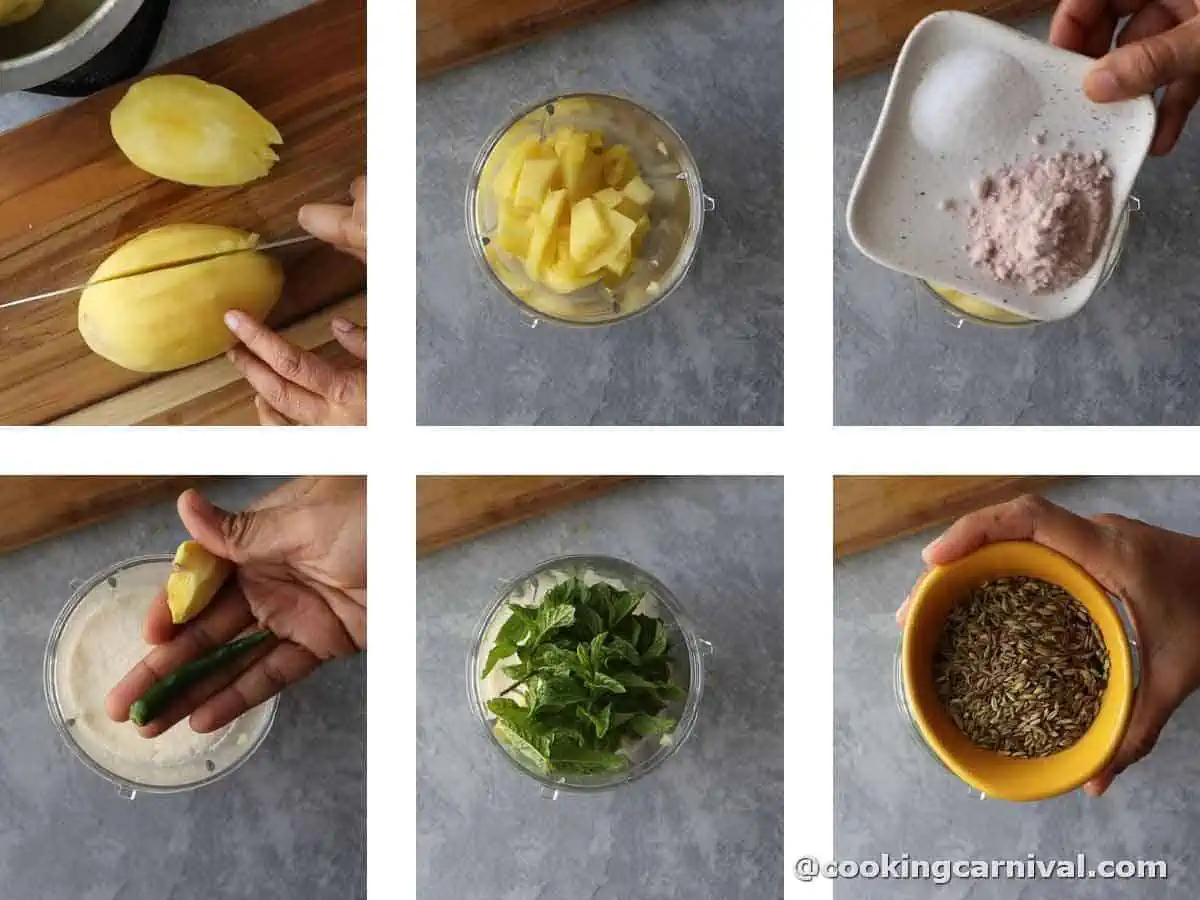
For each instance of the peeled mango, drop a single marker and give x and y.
(183, 129)
(571, 209)
(166, 320)
(195, 578)
(14, 11)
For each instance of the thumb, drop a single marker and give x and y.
(1150, 714)
(242, 537)
(1142, 66)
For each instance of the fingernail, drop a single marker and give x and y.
(234, 321)
(320, 219)
(342, 325)
(930, 547)
(1102, 86)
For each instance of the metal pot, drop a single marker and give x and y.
(62, 37)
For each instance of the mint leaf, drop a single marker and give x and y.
(647, 725)
(658, 644)
(596, 651)
(601, 721)
(509, 711)
(550, 619)
(559, 734)
(552, 692)
(502, 650)
(604, 683)
(619, 647)
(516, 627)
(621, 605)
(589, 619)
(668, 691)
(523, 743)
(580, 761)
(634, 681)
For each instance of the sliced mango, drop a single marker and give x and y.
(180, 128)
(196, 577)
(589, 230)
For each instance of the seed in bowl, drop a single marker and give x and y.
(1021, 667)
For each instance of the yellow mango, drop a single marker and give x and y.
(562, 278)
(513, 230)
(505, 185)
(619, 265)
(14, 11)
(186, 130)
(617, 166)
(589, 230)
(610, 197)
(195, 578)
(169, 319)
(553, 207)
(638, 191)
(537, 176)
(620, 230)
(539, 246)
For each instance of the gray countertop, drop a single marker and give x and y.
(891, 796)
(289, 824)
(190, 25)
(1126, 359)
(712, 354)
(708, 825)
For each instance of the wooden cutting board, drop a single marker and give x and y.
(870, 511)
(37, 508)
(451, 510)
(68, 197)
(454, 32)
(868, 34)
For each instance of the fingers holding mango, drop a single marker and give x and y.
(296, 386)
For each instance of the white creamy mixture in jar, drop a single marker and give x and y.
(100, 642)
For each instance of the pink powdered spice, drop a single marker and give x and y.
(1041, 225)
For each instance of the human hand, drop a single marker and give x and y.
(301, 556)
(1154, 571)
(1159, 46)
(345, 227)
(295, 386)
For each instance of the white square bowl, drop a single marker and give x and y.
(1017, 96)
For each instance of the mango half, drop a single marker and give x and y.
(14, 11)
(186, 130)
(173, 318)
(196, 577)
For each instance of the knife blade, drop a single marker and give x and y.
(160, 267)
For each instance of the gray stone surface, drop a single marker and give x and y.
(190, 25)
(712, 354)
(289, 824)
(891, 796)
(708, 825)
(1127, 359)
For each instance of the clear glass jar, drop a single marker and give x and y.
(689, 656)
(141, 578)
(676, 214)
(963, 307)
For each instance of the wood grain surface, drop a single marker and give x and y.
(868, 34)
(455, 32)
(214, 393)
(68, 197)
(451, 510)
(36, 508)
(870, 511)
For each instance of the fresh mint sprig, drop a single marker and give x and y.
(591, 673)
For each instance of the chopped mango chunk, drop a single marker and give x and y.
(638, 191)
(570, 210)
(589, 229)
(534, 183)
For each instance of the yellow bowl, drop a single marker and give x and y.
(1003, 777)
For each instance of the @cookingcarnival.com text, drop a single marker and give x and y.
(943, 871)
